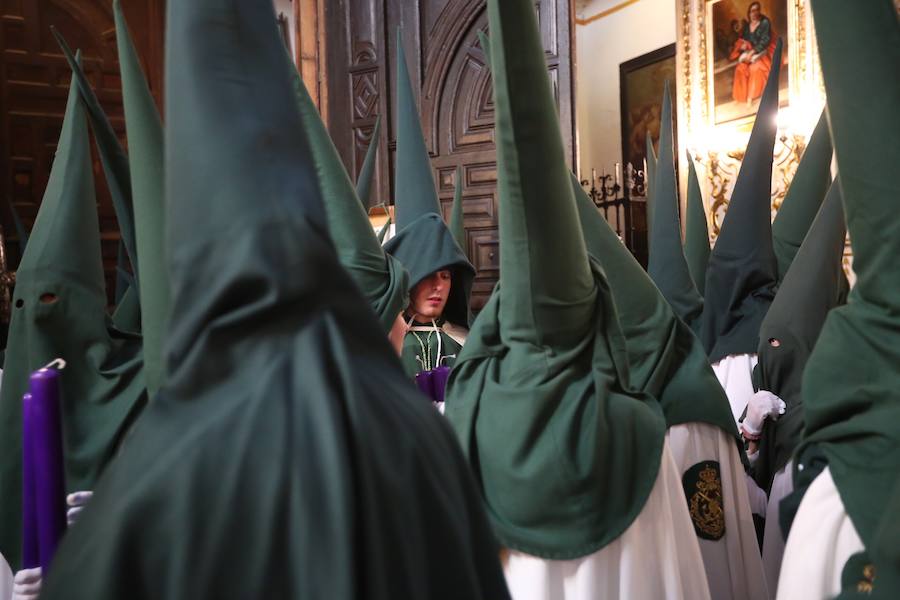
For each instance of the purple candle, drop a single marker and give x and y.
(45, 434)
(30, 556)
(439, 382)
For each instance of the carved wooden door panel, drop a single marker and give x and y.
(34, 82)
(448, 66)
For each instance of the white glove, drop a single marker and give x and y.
(27, 584)
(76, 502)
(763, 405)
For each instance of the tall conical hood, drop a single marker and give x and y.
(127, 314)
(696, 235)
(741, 275)
(145, 147)
(804, 197)
(284, 402)
(851, 395)
(665, 359)
(457, 220)
(367, 173)
(112, 157)
(383, 281)
(812, 287)
(423, 243)
(60, 312)
(565, 459)
(21, 232)
(667, 265)
(650, 182)
(415, 194)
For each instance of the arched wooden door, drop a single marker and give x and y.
(34, 83)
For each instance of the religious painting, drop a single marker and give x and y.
(741, 39)
(641, 83)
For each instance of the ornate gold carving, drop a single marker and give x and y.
(685, 87)
(703, 486)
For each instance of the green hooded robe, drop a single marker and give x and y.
(742, 270)
(286, 455)
(367, 172)
(424, 243)
(59, 310)
(851, 386)
(565, 457)
(696, 231)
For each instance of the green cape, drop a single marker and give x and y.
(804, 197)
(423, 242)
(381, 278)
(851, 387)
(145, 148)
(367, 172)
(565, 458)
(696, 234)
(102, 384)
(667, 265)
(665, 359)
(811, 288)
(742, 271)
(285, 456)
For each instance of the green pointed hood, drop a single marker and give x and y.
(851, 389)
(457, 219)
(145, 147)
(804, 197)
(59, 311)
(665, 359)
(127, 314)
(565, 459)
(381, 278)
(21, 232)
(650, 182)
(485, 41)
(423, 243)
(696, 235)
(667, 266)
(367, 173)
(812, 287)
(284, 402)
(742, 271)
(112, 157)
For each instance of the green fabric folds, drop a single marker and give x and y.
(812, 287)
(804, 197)
(742, 270)
(667, 266)
(367, 172)
(696, 234)
(60, 312)
(286, 451)
(381, 278)
(851, 387)
(665, 359)
(145, 148)
(423, 243)
(564, 457)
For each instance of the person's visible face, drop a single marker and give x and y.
(429, 297)
(754, 11)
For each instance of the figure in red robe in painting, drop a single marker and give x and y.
(753, 51)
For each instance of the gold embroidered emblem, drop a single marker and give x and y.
(867, 583)
(703, 488)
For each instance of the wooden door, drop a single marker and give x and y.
(34, 83)
(448, 67)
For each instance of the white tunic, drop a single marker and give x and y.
(656, 558)
(735, 373)
(773, 540)
(822, 538)
(733, 564)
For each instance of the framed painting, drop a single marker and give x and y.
(740, 42)
(641, 83)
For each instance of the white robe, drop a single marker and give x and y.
(6, 580)
(657, 558)
(734, 568)
(822, 538)
(735, 373)
(773, 540)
